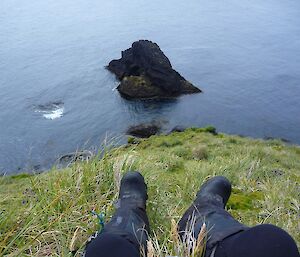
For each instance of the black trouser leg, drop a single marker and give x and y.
(125, 235)
(111, 245)
(260, 241)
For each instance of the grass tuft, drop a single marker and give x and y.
(200, 152)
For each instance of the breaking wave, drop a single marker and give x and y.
(51, 111)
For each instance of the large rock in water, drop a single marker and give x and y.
(145, 72)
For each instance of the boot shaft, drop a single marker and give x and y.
(133, 190)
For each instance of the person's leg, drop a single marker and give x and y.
(208, 208)
(126, 233)
(260, 241)
(228, 237)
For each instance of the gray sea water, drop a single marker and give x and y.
(56, 95)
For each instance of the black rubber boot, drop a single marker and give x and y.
(209, 207)
(130, 220)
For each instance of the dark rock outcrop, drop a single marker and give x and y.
(177, 129)
(143, 130)
(145, 72)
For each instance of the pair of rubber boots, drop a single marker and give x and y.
(130, 219)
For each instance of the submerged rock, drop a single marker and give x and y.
(50, 111)
(145, 72)
(143, 130)
(68, 159)
(50, 106)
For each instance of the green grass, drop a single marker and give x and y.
(49, 214)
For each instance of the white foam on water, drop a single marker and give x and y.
(54, 114)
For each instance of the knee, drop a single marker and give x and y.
(270, 231)
(264, 241)
(273, 237)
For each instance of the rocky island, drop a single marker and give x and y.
(145, 72)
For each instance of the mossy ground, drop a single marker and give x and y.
(49, 214)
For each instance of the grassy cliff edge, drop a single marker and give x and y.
(50, 214)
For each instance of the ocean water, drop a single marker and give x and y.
(57, 97)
